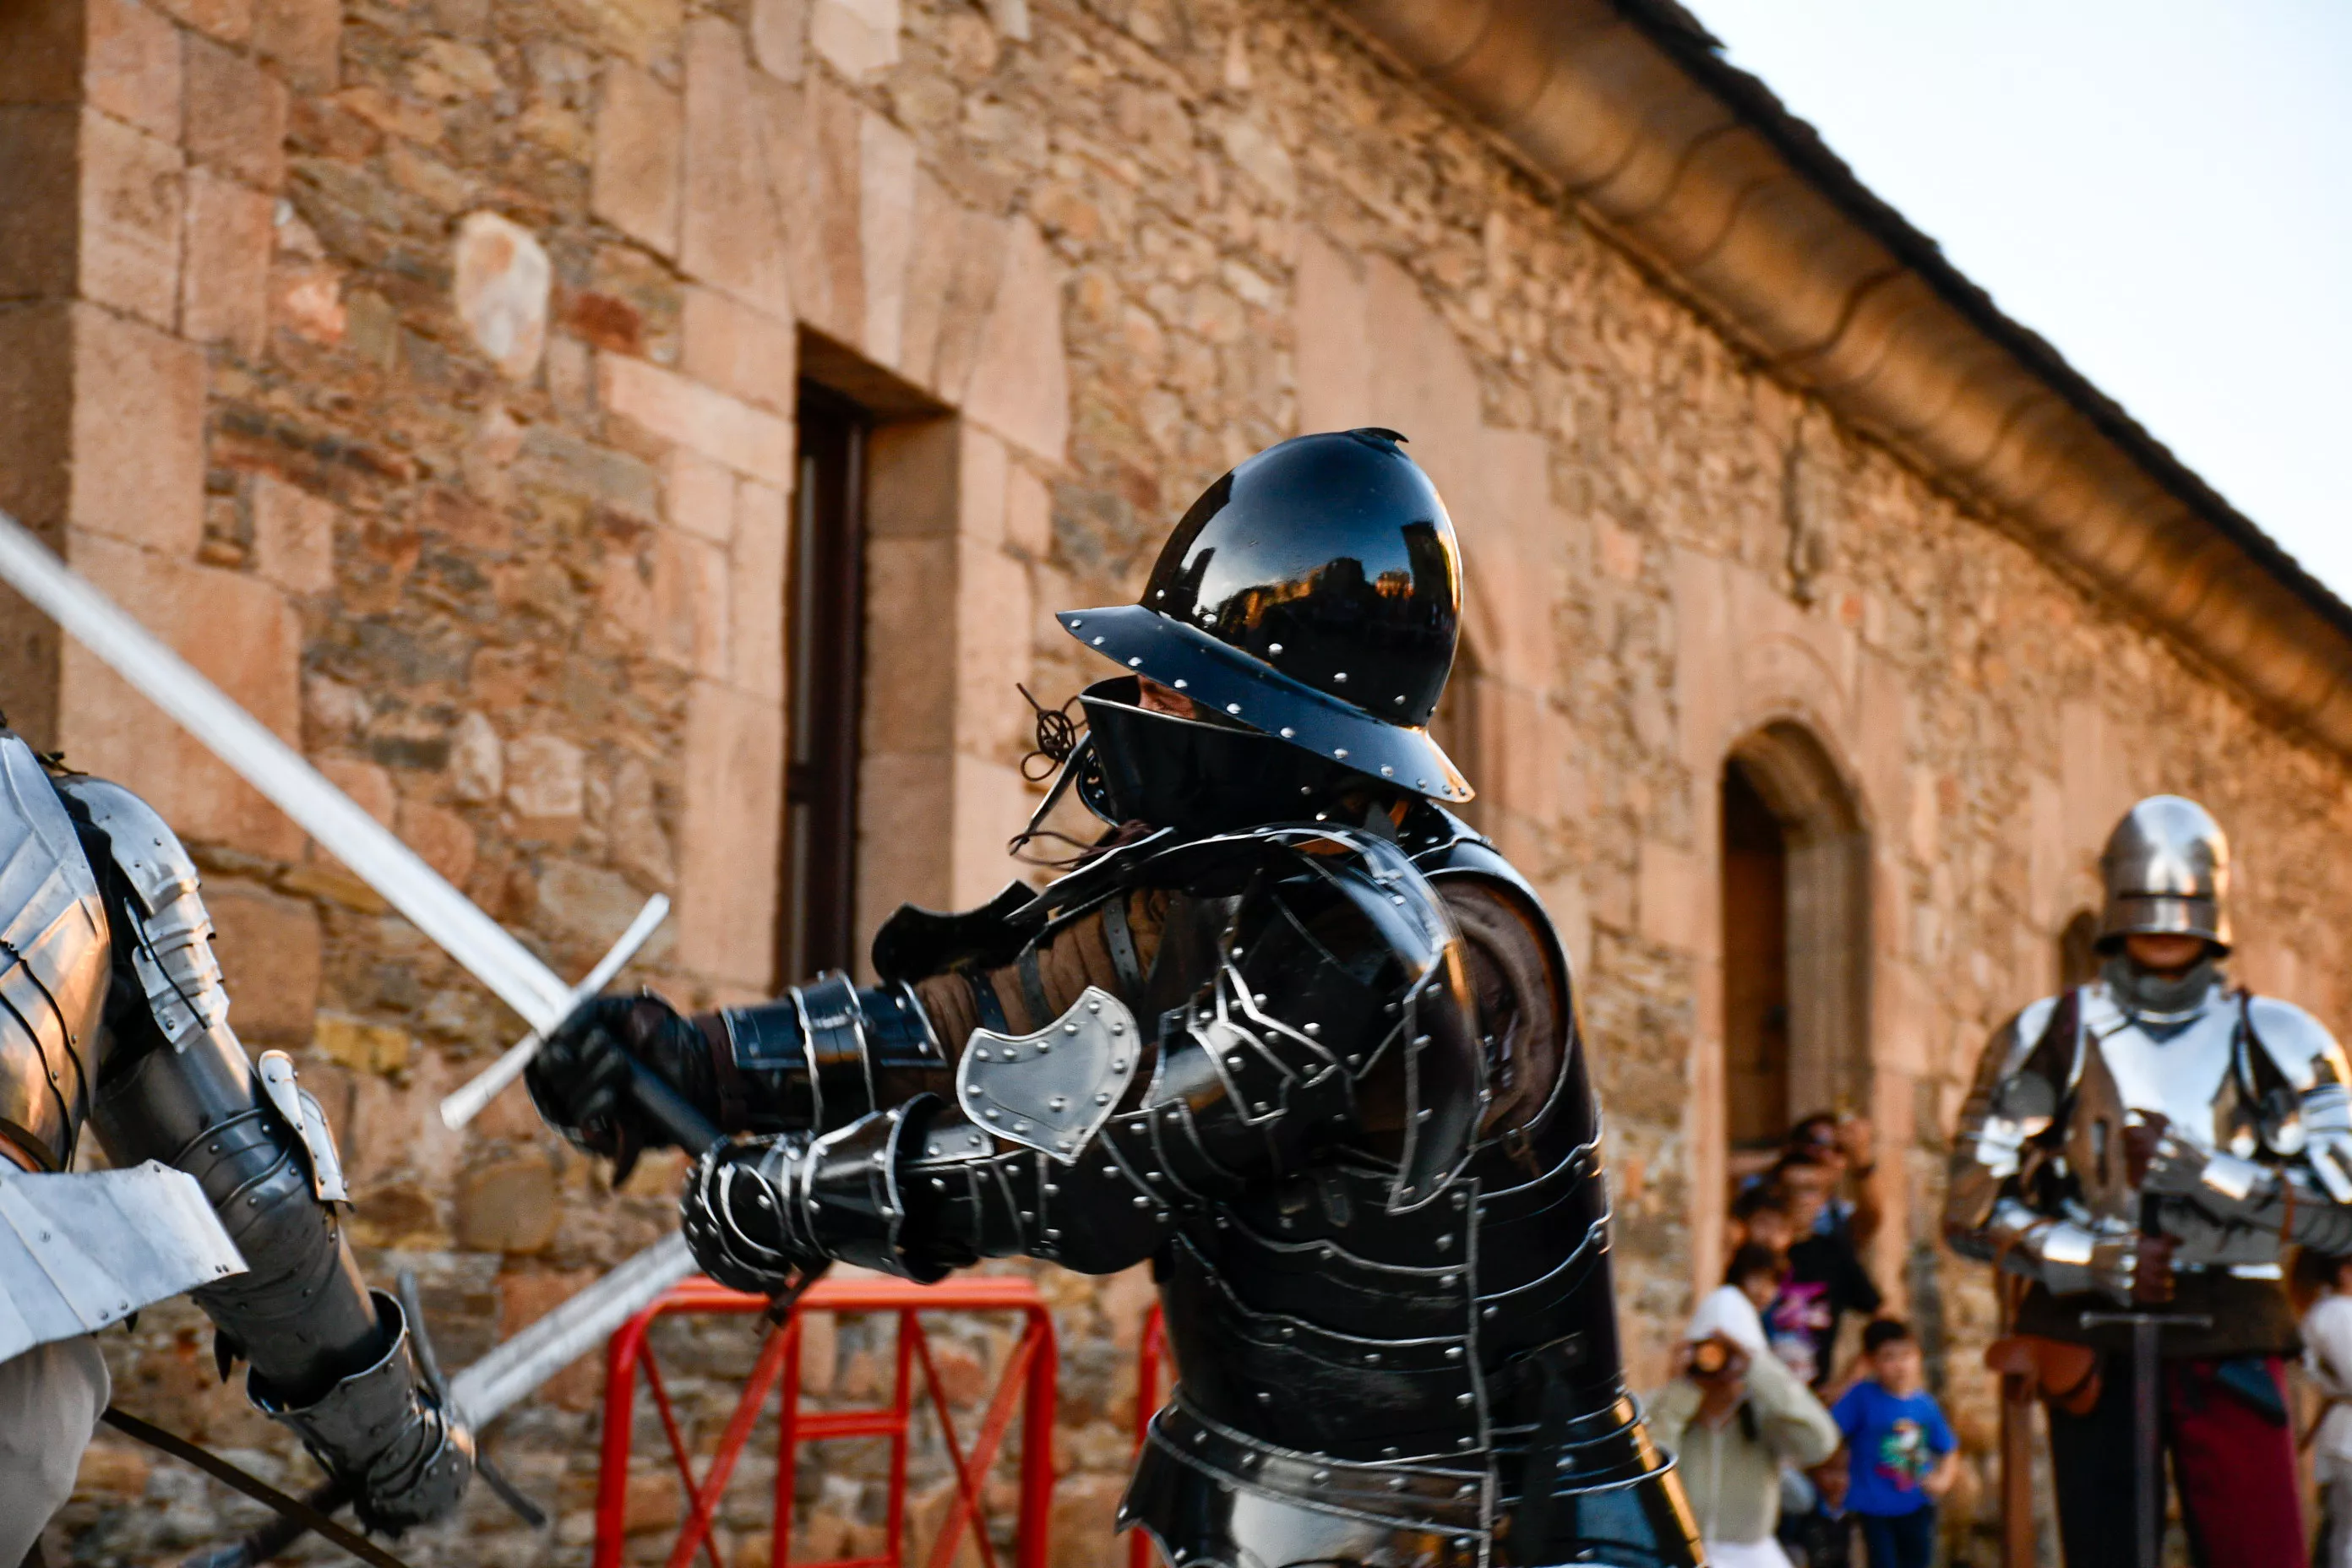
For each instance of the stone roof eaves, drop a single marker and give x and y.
(1630, 108)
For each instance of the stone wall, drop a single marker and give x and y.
(427, 370)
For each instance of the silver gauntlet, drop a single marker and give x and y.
(379, 1430)
(2066, 1258)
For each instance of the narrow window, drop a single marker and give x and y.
(1754, 966)
(825, 617)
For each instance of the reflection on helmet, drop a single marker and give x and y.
(1313, 595)
(2167, 868)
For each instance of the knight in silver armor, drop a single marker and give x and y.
(1290, 1031)
(223, 1178)
(2151, 1140)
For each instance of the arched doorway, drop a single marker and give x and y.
(1796, 938)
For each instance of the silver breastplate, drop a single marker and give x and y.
(54, 960)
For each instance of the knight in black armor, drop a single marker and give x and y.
(1291, 1031)
(225, 1181)
(2150, 1141)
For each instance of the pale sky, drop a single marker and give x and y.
(2161, 188)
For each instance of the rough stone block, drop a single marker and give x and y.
(293, 536)
(270, 949)
(911, 646)
(231, 21)
(368, 783)
(587, 903)
(639, 163)
(755, 616)
(733, 770)
(690, 603)
(236, 114)
(1085, 1516)
(545, 780)
(1028, 514)
(981, 484)
(857, 37)
(731, 231)
(989, 806)
(905, 832)
(632, 825)
(500, 281)
(742, 351)
(132, 68)
(779, 29)
(130, 218)
(886, 227)
(445, 839)
(237, 631)
(699, 496)
(817, 132)
(225, 277)
(692, 415)
(993, 651)
(1675, 907)
(476, 761)
(304, 36)
(1020, 380)
(931, 268)
(507, 1205)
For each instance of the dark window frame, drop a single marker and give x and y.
(824, 630)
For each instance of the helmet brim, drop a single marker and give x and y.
(1246, 688)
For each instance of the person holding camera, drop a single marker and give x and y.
(1733, 1416)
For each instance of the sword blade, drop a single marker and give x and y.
(373, 854)
(507, 1374)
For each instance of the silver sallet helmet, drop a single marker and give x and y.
(2167, 868)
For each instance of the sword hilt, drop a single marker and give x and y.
(678, 1117)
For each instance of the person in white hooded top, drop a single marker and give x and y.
(1734, 1415)
(2326, 1331)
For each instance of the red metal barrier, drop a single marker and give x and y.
(1150, 1351)
(1032, 1366)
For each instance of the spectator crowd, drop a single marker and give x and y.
(1791, 1444)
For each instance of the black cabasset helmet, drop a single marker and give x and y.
(1315, 595)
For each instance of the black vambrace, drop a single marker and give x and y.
(1330, 1009)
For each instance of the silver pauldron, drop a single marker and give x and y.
(79, 1251)
(1054, 1089)
(172, 952)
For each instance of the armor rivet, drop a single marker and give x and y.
(1045, 1048)
(1103, 1099)
(973, 1090)
(1234, 1060)
(1028, 1216)
(1463, 1540)
(1097, 642)
(931, 1149)
(1331, 1252)
(1110, 1170)
(1052, 1190)
(1232, 708)
(1201, 1438)
(1420, 783)
(1152, 1177)
(1312, 1030)
(1445, 1241)
(1275, 647)
(1461, 1200)
(1135, 664)
(1398, 699)
(1288, 1332)
(1340, 752)
(1465, 1489)
(1059, 1102)
(1322, 1475)
(1118, 1064)
(1094, 1006)
(1465, 1399)
(1078, 621)
(1264, 1397)
(937, 1185)
(1259, 998)
(1372, 1358)
(1339, 677)
(1142, 1202)
(991, 1114)
(1454, 1353)
(1053, 1234)
(1289, 733)
(1387, 772)
(1117, 1028)
(981, 1053)
(1180, 685)
(1490, 1313)
(1021, 1126)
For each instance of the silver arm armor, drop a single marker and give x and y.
(2028, 1068)
(329, 1357)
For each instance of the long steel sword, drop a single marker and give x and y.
(483, 947)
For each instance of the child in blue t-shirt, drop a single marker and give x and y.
(1899, 1450)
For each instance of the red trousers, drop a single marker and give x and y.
(2233, 1467)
